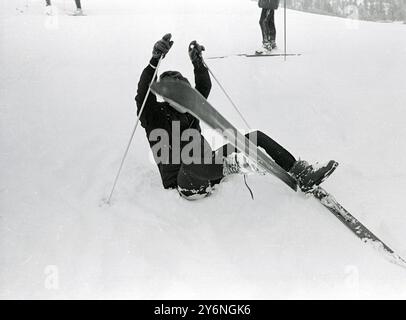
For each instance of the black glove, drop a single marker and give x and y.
(195, 53)
(162, 47)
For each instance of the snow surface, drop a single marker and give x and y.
(67, 87)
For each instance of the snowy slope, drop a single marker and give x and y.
(66, 112)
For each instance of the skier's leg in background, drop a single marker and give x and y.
(269, 24)
(279, 154)
(78, 11)
(263, 25)
(48, 8)
(272, 27)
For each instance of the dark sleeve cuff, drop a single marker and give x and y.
(154, 62)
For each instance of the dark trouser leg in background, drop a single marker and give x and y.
(263, 26)
(267, 23)
(197, 179)
(78, 5)
(271, 25)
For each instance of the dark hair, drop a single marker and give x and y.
(173, 75)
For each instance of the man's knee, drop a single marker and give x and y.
(193, 194)
(190, 187)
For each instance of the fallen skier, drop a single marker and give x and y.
(194, 174)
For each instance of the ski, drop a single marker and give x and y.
(254, 55)
(181, 95)
(185, 97)
(360, 230)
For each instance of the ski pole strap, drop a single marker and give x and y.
(248, 187)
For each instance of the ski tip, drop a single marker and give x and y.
(159, 88)
(398, 260)
(163, 87)
(387, 252)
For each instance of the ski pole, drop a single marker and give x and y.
(133, 132)
(228, 97)
(284, 27)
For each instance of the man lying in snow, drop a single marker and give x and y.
(196, 180)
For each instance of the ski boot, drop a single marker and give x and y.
(237, 163)
(309, 176)
(265, 49)
(48, 10)
(78, 12)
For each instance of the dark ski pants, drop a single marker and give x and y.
(267, 23)
(78, 5)
(196, 181)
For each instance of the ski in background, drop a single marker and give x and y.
(185, 97)
(76, 15)
(254, 55)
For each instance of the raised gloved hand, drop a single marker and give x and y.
(195, 53)
(162, 47)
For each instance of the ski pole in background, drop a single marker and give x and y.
(228, 97)
(239, 113)
(284, 26)
(133, 132)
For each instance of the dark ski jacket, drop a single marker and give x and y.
(268, 4)
(159, 115)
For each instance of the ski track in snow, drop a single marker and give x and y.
(67, 109)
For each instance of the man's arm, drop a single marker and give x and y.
(143, 85)
(161, 48)
(202, 77)
(202, 80)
